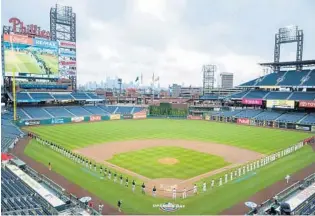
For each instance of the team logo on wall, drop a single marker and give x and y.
(168, 207)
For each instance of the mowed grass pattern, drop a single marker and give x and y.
(20, 62)
(263, 140)
(212, 202)
(190, 163)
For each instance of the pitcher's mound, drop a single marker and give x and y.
(168, 161)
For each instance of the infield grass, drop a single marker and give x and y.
(211, 202)
(189, 163)
(262, 140)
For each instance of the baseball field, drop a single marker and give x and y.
(24, 63)
(170, 153)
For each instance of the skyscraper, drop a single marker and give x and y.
(226, 80)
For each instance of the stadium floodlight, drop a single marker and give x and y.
(288, 34)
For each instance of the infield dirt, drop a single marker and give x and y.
(102, 152)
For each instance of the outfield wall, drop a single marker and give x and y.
(78, 119)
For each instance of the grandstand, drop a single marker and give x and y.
(300, 197)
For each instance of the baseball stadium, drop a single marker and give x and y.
(241, 151)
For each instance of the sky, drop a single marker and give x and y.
(174, 38)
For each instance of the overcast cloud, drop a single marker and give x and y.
(174, 38)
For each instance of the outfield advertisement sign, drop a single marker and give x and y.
(307, 104)
(48, 44)
(67, 44)
(68, 63)
(252, 101)
(77, 119)
(313, 128)
(191, 117)
(283, 104)
(140, 115)
(17, 39)
(127, 116)
(57, 121)
(114, 117)
(70, 54)
(95, 118)
(32, 122)
(303, 127)
(243, 121)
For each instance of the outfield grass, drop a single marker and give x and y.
(20, 62)
(190, 163)
(211, 202)
(262, 140)
(51, 62)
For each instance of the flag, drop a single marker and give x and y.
(137, 79)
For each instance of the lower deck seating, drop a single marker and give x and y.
(309, 119)
(59, 112)
(290, 117)
(268, 115)
(248, 113)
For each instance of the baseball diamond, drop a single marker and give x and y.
(192, 147)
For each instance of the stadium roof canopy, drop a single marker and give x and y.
(290, 64)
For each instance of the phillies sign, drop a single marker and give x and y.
(18, 27)
(243, 121)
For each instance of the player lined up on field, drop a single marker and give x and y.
(107, 173)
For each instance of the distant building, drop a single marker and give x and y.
(185, 92)
(175, 90)
(226, 80)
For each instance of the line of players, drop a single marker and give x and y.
(107, 173)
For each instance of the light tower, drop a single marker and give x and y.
(289, 34)
(208, 72)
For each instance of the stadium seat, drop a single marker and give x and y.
(268, 115)
(270, 79)
(22, 96)
(277, 95)
(63, 96)
(238, 95)
(80, 96)
(37, 113)
(302, 96)
(95, 110)
(41, 96)
(78, 111)
(124, 110)
(290, 117)
(309, 119)
(59, 112)
(248, 113)
(256, 94)
(293, 78)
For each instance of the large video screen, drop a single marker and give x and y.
(24, 55)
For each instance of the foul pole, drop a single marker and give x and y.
(14, 95)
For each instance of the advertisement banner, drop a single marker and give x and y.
(284, 104)
(127, 116)
(68, 63)
(95, 118)
(303, 127)
(243, 121)
(313, 128)
(307, 104)
(191, 117)
(67, 72)
(48, 44)
(67, 53)
(140, 115)
(252, 101)
(77, 119)
(114, 117)
(207, 118)
(18, 39)
(33, 122)
(57, 121)
(67, 44)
